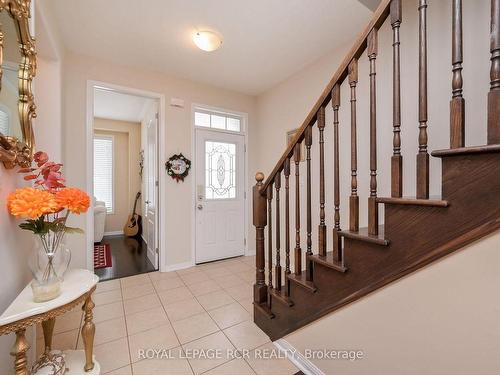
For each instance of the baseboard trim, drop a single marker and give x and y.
(115, 233)
(178, 266)
(302, 363)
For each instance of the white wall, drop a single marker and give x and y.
(78, 69)
(285, 107)
(440, 320)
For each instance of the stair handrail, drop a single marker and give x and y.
(378, 18)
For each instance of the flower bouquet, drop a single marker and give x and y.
(46, 208)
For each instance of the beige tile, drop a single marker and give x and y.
(194, 278)
(246, 335)
(183, 309)
(107, 312)
(127, 370)
(214, 300)
(62, 341)
(106, 286)
(68, 321)
(168, 297)
(135, 291)
(167, 284)
(228, 281)
(144, 320)
(250, 260)
(112, 355)
(240, 292)
(146, 302)
(247, 304)
(154, 276)
(270, 366)
(218, 272)
(140, 279)
(159, 338)
(240, 267)
(107, 297)
(229, 315)
(194, 327)
(212, 343)
(185, 271)
(247, 276)
(204, 287)
(236, 366)
(170, 366)
(109, 330)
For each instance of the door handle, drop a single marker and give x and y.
(199, 207)
(147, 202)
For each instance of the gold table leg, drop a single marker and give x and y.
(88, 331)
(19, 353)
(48, 329)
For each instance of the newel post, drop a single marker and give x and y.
(260, 222)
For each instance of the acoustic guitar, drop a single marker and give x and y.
(133, 227)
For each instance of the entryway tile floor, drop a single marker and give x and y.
(205, 309)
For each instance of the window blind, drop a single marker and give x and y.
(103, 171)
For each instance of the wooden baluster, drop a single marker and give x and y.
(286, 172)
(457, 103)
(397, 158)
(494, 94)
(337, 245)
(260, 222)
(353, 199)
(270, 238)
(322, 225)
(298, 250)
(277, 268)
(308, 143)
(372, 200)
(422, 156)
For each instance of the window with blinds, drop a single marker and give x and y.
(4, 122)
(217, 120)
(103, 171)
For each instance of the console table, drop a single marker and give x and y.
(77, 287)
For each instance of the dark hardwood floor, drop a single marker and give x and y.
(129, 257)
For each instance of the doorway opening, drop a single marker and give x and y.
(220, 184)
(125, 182)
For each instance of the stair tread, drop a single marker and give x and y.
(362, 235)
(485, 149)
(280, 296)
(432, 202)
(330, 261)
(301, 280)
(264, 309)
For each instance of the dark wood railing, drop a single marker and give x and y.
(348, 69)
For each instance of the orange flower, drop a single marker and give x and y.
(73, 199)
(31, 203)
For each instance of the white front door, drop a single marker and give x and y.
(151, 196)
(220, 195)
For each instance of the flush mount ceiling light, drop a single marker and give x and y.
(207, 40)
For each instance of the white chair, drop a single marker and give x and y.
(99, 220)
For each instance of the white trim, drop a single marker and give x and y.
(296, 357)
(244, 133)
(114, 233)
(162, 181)
(178, 266)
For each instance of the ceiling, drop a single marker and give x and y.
(264, 41)
(117, 106)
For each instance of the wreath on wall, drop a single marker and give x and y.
(178, 167)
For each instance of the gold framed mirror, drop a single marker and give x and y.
(17, 70)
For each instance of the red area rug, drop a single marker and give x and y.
(102, 256)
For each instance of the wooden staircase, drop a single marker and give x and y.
(416, 231)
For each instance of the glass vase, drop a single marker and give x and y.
(48, 263)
